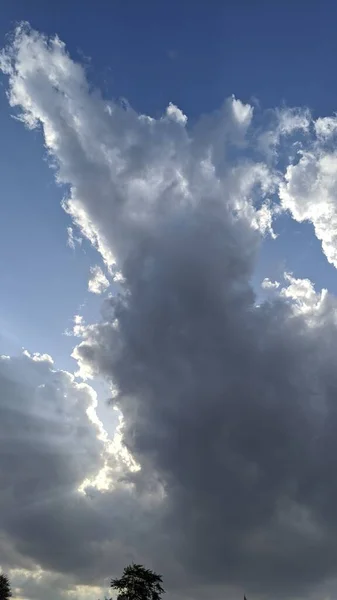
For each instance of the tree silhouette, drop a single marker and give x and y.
(5, 587)
(138, 583)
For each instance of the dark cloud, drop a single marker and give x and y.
(231, 404)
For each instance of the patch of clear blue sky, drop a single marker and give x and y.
(191, 52)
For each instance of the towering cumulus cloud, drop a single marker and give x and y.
(229, 404)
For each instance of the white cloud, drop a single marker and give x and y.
(316, 306)
(308, 192)
(72, 239)
(173, 112)
(243, 113)
(293, 119)
(284, 123)
(98, 282)
(325, 127)
(119, 164)
(267, 284)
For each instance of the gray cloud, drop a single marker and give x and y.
(228, 406)
(232, 405)
(48, 447)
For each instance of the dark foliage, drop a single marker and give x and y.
(138, 583)
(5, 587)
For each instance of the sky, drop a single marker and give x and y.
(168, 306)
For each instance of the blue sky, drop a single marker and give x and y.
(219, 181)
(276, 51)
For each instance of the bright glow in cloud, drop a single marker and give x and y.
(243, 113)
(309, 194)
(98, 282)
(173, 112)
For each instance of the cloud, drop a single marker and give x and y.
(267, 284)
(306, 300)
(325, 127)
(64, 504)
(228, 407)
(39, 584)
(293, 119)
(98, 282)
(173, 112)
(281, 126)
(127, 161)
(72, 239)
(308, 192)
(50, 445)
